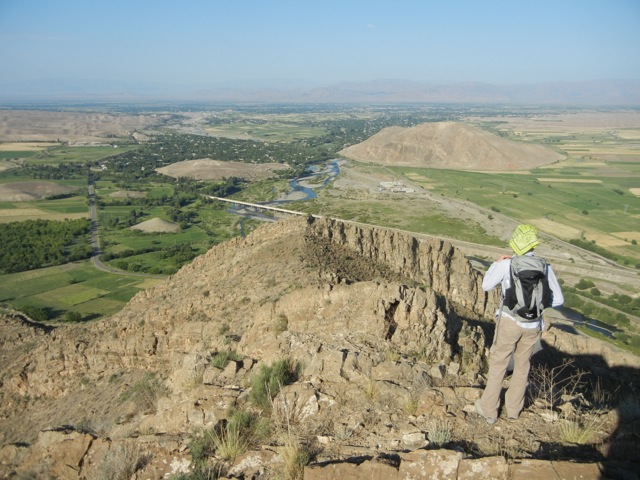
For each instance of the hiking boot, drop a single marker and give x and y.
(488, 419)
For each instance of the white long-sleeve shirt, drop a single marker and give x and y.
(499, 273)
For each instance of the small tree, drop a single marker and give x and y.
(584, 284)
(70, 316)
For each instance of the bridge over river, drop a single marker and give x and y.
(256, 206)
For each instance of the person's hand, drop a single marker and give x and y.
(503, 257)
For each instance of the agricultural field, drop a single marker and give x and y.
(47, 153)
(268, 132)
(75, 287)
(571, 203)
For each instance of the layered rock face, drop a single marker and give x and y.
(388, 332)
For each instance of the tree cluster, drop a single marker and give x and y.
(41, 243)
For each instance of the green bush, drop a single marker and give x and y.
(584, 284)
(72, 317)
(282, 324)
(222, 359)
(201, 446)
(266, 383)
(227, 440)
(252, 426)
(38, 314)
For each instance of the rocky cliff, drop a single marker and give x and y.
(388, 336)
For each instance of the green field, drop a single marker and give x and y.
(71, 207)
(10, 155)
(601, 209)
(418, 218)
(67, 154)
(75, 287)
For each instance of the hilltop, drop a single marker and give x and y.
(208, 169)
(449, 145)
(384, 338)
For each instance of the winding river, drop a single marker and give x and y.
(302, 188)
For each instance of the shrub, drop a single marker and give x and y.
(584, 284)
(439, 432)
(251, 426)
(201, 447)
(38, 314)
(548, 385)
(222, 359)
(282, 324)
(72, 317)
(266, 384)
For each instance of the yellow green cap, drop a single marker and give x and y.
(524, 238)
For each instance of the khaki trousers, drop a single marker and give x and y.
(510, 339)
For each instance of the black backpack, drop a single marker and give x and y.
(529, 293)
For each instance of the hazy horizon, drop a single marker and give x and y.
(164, 45)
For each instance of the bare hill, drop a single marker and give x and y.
(208, 169)
(73, 127)
(156, 225)
(389, 334)
(449, 145)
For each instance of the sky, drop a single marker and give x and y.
(246, 42)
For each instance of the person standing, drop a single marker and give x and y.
(515, 335)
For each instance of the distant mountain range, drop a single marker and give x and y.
(592, 93)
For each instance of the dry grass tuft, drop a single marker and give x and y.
(296, 456)
(582, 431)
(229, 442)
(121, 462)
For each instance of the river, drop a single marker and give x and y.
(302, 189)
